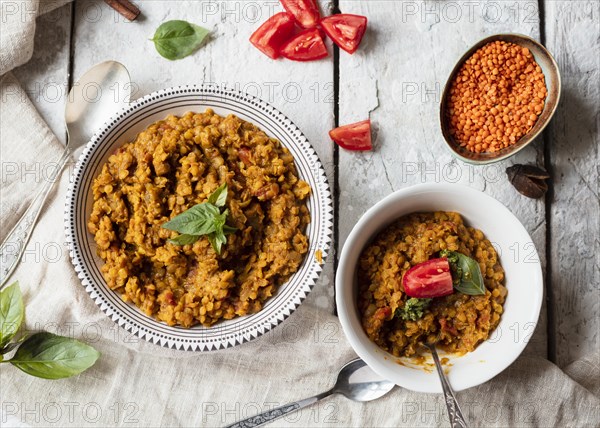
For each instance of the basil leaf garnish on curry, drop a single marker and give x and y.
(203, 219)
(219, 196)
(437, 278)
(466, 274)
(410, 292)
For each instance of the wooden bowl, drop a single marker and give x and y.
(553, 86)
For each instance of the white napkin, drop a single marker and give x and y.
(139, 384)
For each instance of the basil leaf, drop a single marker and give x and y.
(12, 312)
(219, 196)
(184, 239)
(217, 242)
(219, 235)
(49, 356)
(178, 39)
(198, 220)
(220, 221)
(203, 219)
(218, 238)
(466, 274)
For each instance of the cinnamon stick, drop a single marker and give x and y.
(125, 8)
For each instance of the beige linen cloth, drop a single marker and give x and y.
(135, 383)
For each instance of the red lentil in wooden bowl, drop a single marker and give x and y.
(498, 98)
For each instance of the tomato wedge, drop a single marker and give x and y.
(356, 136)
(429, 279)
(306, 12)
(308, 45)
(273, 33)
(345, 30)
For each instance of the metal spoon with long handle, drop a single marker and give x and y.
(355, 381)
(100, 92)
(457, 419)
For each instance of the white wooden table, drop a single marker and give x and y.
(396, 79)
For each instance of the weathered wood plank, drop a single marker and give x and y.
(302, 91)
(573, 36)
(396, 78)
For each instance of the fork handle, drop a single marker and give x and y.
(14, 244)
(455, 415)
(278, 412)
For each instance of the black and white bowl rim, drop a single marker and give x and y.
(222, 335)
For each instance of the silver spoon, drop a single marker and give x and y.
(355, 381)
(100, 92)
(454, 413)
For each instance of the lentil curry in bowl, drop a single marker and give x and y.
(388, 277)
(240, 196)
(438, 263)
(173, 166)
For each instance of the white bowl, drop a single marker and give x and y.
(123, 127)
(518, 257)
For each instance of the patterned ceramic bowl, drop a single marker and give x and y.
(124, 127)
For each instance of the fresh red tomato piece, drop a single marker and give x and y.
(306, 12)
(308, 45)
(273, 33)
(345, 30)
(356, 136)
(429, 279)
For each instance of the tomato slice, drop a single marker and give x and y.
(273, 33)
(345, 30)
(306, 12)
(429, 279)
(356, 136)
(308, 45)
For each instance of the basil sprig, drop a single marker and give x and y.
(466, 274)
(43, 354)
(205, 219)
(49, 356)
(177, 39)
